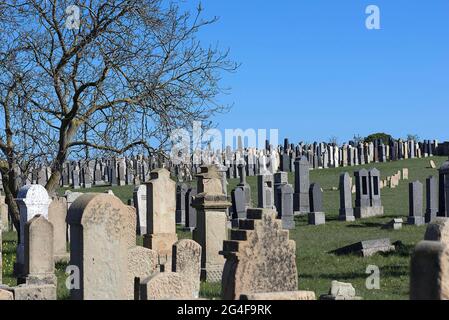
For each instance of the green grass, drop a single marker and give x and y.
(316, 266)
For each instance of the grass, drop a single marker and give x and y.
(316, 266)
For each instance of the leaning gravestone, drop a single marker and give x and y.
(366, 248)
(259, 257)
(102, 230)
(161, 220)
(32, 200)
(57, 214)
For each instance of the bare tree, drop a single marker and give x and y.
(102, 75)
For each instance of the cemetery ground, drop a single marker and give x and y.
(317, 267)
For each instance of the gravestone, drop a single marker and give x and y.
(32, 200)
(166, 286)
(346, 211)
(438, 230)
(431, 199)
(416, 216)
(316, 215)
(253, 257)
(140, 203)
(190, 210)
(57, 214)
(366, 248)
(142, 263)
(39, 265)
(4, 224)
(181, 190)
(161, 222)
(187, 262)
(265, 191)
(302, 181)
(211, 205)
(102, 230)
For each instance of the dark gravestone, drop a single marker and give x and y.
(431, 199)
(238, 206)
(316, 215)
(190, 211)
(416, 204)
(181, 190)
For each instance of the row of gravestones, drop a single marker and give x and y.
(134, 170)
(109, 265)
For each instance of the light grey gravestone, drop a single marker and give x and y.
(252, 257)
(416, 204)
(395, 224)
(102, 230)
(76, 179)
(181, 190)
(190, 210)
(87, 177)
(431, 199)
(340, 291)
(161, 215)
(57, 214)
(368, 199)
(316, 215)
(211, 205)
(265, 191)
(39, 266)
(3, 215)
(302, 181)
(32, 200)
(140, 203)
(346, 210)
(187, 262)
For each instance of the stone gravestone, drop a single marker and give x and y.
(187, 262)
(265, 191)
(142, 263)
(283, 196)
(39, 265)
(57, 214)
(166, 286)
(302, 181)
(32, 200)
(102, 230)
(346, 210)
(190, 210)
(161, 220)
(181, 190)
(259, 257)
(429, 276)
(431, 199)
(238, 206)
(140, 203)
(316, 214)
(416, 204)
(211, 205)
(368, 201)
(4, 225)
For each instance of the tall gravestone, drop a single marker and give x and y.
(265, 191)
(284, 200)
(443, 210)
(211, 205)
(190, 210)
(346, 210)
(102, 231)
(57, 214)
(416, 216)
(32, 200)
(431, 199)
(3, 214)
(302, 184)
(181, 190)
(161, 220)
(140, 203)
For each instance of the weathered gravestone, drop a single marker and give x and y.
(259, 257)
(190, 210)
(140, 203)
(283, 200)
(265, 191)
(166, 286)
(316, 215)
(32, 200)
(57, 214)
(4, 225)
(416, 216)
(346, 211)
(211, 205)
(39, 266)
(187, 262)
(142, 263)
(102, 231)
(161, 220)
(181, 190)
(366, 248)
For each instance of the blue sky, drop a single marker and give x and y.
(311, 69)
